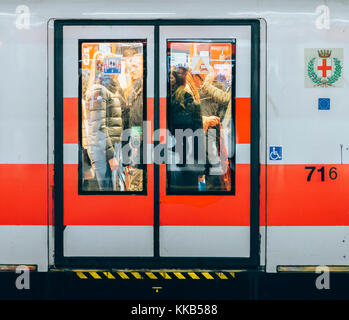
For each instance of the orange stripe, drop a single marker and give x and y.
(292, 201)
(243, 120)
(50, 191)
(70, 120)
(23, 189)
(209, 210)
(262, 196)
(106, 209)
(24, 198)
(162, 115)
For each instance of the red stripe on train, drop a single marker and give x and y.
(294, 201)
(106, 209)
(243, 120)
(207, 210)
(242, 113)
(262, 195)
(23, 194)
(71, 119)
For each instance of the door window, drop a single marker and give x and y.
(200, 116)
(112, 110)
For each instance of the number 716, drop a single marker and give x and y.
(332, 173)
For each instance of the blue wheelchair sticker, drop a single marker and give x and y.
(275, 153)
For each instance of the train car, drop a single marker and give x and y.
(264, 82)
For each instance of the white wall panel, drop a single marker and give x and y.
(23, 92)
(307, 135)
(24, 245)
(204, 241)
(108, 241)
(320, 245)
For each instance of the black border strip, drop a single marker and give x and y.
(156, 261)
(58, 143)
(156, 127)
(255, 166)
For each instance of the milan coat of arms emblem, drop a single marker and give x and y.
(323, 68)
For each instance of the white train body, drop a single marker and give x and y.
(303, 213)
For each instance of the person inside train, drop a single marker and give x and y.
(184, 113)
(217, 100)
(88, 174)
(104, 107)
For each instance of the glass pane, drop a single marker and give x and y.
(111, 115)
(200, 116)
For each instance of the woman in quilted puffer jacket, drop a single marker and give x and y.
(105, 107)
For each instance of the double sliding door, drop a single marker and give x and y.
(156, 144)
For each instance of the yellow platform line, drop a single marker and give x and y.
(221, 275)
(151, 275)
(108, 275)
(193, 275)
(165, 275)
(123, 275)
(81, 275)
(232, 274)
(95, 275)
(137, 275)
(207, 275)
(179, 275)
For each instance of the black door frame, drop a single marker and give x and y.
(156, 262)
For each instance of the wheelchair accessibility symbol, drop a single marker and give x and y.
(275, 153)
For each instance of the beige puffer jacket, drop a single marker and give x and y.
(103, 118)
(220, 96)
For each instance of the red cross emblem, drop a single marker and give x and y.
(324, 67)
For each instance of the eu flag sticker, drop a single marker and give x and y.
(275, 153)
(324, 104)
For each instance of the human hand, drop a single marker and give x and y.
(114, 164)
(211, 121)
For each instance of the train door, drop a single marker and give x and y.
(156, 144)
(205, 209)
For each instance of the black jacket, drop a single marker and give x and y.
(185, 113)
